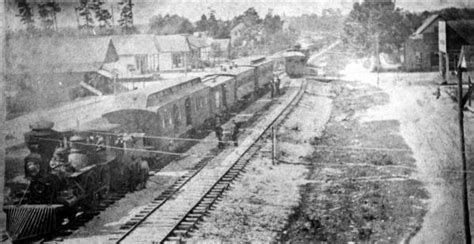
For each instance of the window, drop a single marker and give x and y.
(170, 120)
(177, 60)
(418, 58)
(163, 122)
(218, 98)
(201, 102)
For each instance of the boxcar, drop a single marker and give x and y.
(263, 68)
(166, 109)
(245, 81)
(221, 92)
(264, 73)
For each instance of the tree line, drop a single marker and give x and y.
(88, 13)
(369, 26)
(258, 33)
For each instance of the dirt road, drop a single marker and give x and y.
(429, 126)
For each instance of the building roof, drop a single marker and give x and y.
(236, 28)
(172, 43)
(134, 44)
(223, 43)
(59, 55)
(426, 23)
(124, 68)
(464, 28)
(198, 42)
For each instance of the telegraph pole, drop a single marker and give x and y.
(377, 60)
(465, 202)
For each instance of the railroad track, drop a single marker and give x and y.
(177, 211)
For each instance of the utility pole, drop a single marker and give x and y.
(273, 145)
(465, 203)
(378, 57)
(112, 15)
(115, 74)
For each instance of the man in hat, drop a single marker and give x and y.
(272, 88)
(219, 132)
(277, 85)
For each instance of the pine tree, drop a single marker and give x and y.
(126, 16)
(26, 14)
(202, 25)
(85, 11)
(212, 25)
(47, 12)
(102, 15)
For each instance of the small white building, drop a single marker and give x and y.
(174, 53)
(138, 57)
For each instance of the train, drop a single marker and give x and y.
(72, 171)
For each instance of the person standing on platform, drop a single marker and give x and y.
(277, 85)
(235, 132)
(219, 133)
(272, 87)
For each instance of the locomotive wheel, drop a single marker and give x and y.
(69, 214)
(104, 182)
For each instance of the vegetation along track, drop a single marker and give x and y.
(171, 216)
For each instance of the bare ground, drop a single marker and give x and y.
(360, 186)
(429, 126)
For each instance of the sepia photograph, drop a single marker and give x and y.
(227, 121)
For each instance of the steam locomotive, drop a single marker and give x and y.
(71, 172)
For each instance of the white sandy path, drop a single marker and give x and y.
(429, 127)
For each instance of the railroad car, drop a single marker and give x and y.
(222, 95)
(295, 63)
(157, 114)
(162, 111)
(263, 69)
(70, 172)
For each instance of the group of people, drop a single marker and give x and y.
(275, 86)
(234, 129)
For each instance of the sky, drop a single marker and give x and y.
(225, 9)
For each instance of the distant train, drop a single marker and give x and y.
(72, 171)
